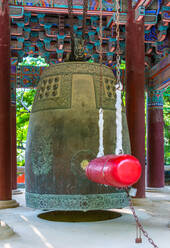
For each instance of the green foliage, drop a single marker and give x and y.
(31, 61)
(123, 65)
(166, 113)
(23, 107)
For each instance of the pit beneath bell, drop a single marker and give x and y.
(79, 216)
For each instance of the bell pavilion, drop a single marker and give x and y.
(100, 53)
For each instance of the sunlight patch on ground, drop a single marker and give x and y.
(41, 237)
(38, 233)
(7, 245)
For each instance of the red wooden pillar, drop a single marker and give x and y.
(13, 128)
(155, 140)
(135, 101)
(5, 133)
(5, 139)
(13, 143)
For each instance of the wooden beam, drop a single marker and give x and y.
(142, 2)
(65, 11)
(159, 77)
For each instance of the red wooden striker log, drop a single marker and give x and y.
(114, 170)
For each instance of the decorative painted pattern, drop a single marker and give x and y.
(29, 76)
(155, 99)
(93, 4)
(151, 35)
(13, 83)
(41, 34)
(76, 202)
(13, 90)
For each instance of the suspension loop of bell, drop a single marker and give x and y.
(101, 119)
(118, 105)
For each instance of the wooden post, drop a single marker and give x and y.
(5, 132)
(13, 127)
(155, 140)
(13, 142)
(135, 101)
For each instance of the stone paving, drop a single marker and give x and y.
(30, 231)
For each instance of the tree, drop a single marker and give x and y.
(166, 113)
(24, 102)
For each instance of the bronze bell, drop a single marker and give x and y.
(63, 137)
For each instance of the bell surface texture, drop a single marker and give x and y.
(63, 137)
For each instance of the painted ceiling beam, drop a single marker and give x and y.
(144, 3)
(159, 75)
(140, 7)
(167, 3)
(65, 11)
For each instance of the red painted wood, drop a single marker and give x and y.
(13, 144)
(135, 79)
(65, 11)
(21, 178)
(155, 156)
(114, 170)
(5, 138)
(142, 2)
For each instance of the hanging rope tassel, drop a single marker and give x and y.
(138, 235)
(118, 106)
(101, 120)
(101, 125)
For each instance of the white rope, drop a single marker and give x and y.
(101, 120)
(101, 125)
(118, 106)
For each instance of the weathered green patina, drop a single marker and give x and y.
(63, 137)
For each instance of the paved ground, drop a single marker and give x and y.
(117, 233)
